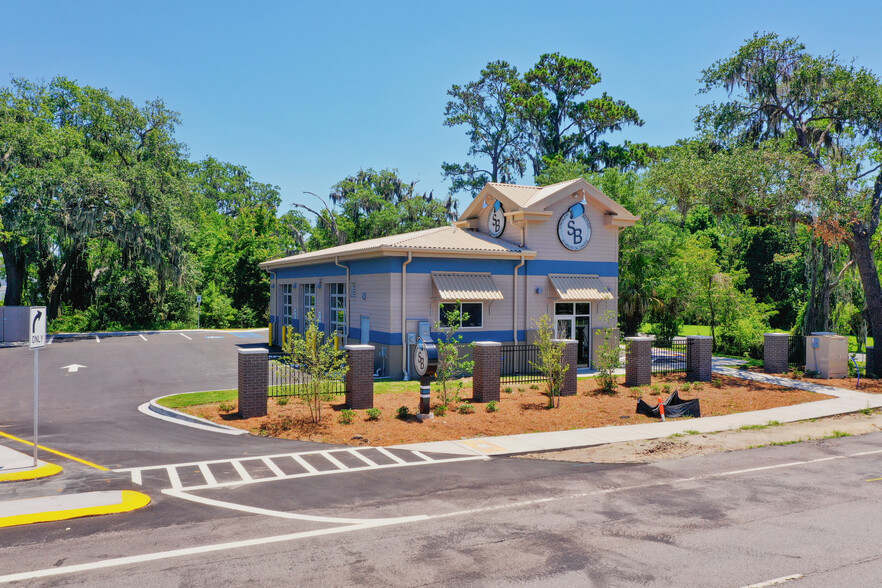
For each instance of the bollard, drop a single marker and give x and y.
(661, 409)
(425, 396)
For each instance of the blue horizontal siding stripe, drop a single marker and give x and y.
(425, 265)
(468, 336)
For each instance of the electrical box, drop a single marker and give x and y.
(382, 352)
(425, 331)
(411, 338)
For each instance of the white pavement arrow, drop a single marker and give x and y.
(73, 368)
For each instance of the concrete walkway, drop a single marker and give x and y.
(845, 401)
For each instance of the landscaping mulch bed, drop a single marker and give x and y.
(869, 385)
(520, 411)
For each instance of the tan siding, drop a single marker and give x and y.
(602, 246)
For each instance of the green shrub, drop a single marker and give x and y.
(508, 390)
(346, 416)
(685, 387)
(373, 414)
(717, 383)
(282, 400)
(226, 407)
(492, 406)
(465, 408)
(403, 412)
(534, 386)
(440, 410)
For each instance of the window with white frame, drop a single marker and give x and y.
(338, 308)
(471, 313)
(309, 302)
(287, 304)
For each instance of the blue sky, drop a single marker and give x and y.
(304, 94)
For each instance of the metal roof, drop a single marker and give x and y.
(440, 240)
(464, 287)
(579, 287)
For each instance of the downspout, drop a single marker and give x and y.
(514, 310)
(275, 311)
(404, 315)
(348, 313)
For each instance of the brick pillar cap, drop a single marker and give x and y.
(776, 334)
(356, 347)
(253, 351)
(564, 341)
(488, 344)
(639, 338)
(699, 337)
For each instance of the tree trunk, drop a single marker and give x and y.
(16, 273)
(863, 257)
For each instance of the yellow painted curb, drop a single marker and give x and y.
(44, 471)
(131, 500)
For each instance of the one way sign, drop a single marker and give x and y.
(37, 326)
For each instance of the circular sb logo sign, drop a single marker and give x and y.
(574, 228)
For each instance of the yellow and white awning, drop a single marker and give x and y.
(465, 287)
(579, 287)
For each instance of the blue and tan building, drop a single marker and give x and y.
(515, 254)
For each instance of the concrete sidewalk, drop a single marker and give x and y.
(846, 401)
(15, 465)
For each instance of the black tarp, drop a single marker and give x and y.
(674, 407)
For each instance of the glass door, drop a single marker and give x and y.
(572, 320)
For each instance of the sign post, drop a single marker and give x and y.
(425, 362)
(198, 308)
(37, 341)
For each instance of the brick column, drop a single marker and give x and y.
(570, 358)
(486, 375)
(775, 352)
(253, 382)
(638, 361)
(360, 377)
(699, 361)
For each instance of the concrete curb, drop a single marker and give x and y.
(154, 409)
(69, 506)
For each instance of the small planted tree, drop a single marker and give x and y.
(607, 358)
(321, 363)
(451, 363)
(550, 359)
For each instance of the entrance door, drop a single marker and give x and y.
(572, 320)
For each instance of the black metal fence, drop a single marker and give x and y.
(669, 355)
(518, 364)
(796, 351)
(286, 379)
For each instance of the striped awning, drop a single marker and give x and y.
(463, 287)
(579, 287)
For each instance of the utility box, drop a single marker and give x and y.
(827, 355)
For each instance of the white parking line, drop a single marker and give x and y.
(143, 337)
(389, 454)
(206, 473)
(776, 581)
(97, 340)
(269, 463)
(335, 461)
(173, 477)
(241, 471)
(304, 464)
(363, 458)
(185, 337)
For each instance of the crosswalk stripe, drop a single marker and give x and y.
(269, 463)
(241, 471)
(304, 465)
(136, 477)
(391, 455)
(173, 477)
(206, 473)
(363, 458)
(340, 465)
(421, 456)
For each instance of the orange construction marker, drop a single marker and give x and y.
(661, 409)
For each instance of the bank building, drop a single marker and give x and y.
(515, 254)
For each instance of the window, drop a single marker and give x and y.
(287, 304)
(309, 301)
(472, 313)
(338, 308)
